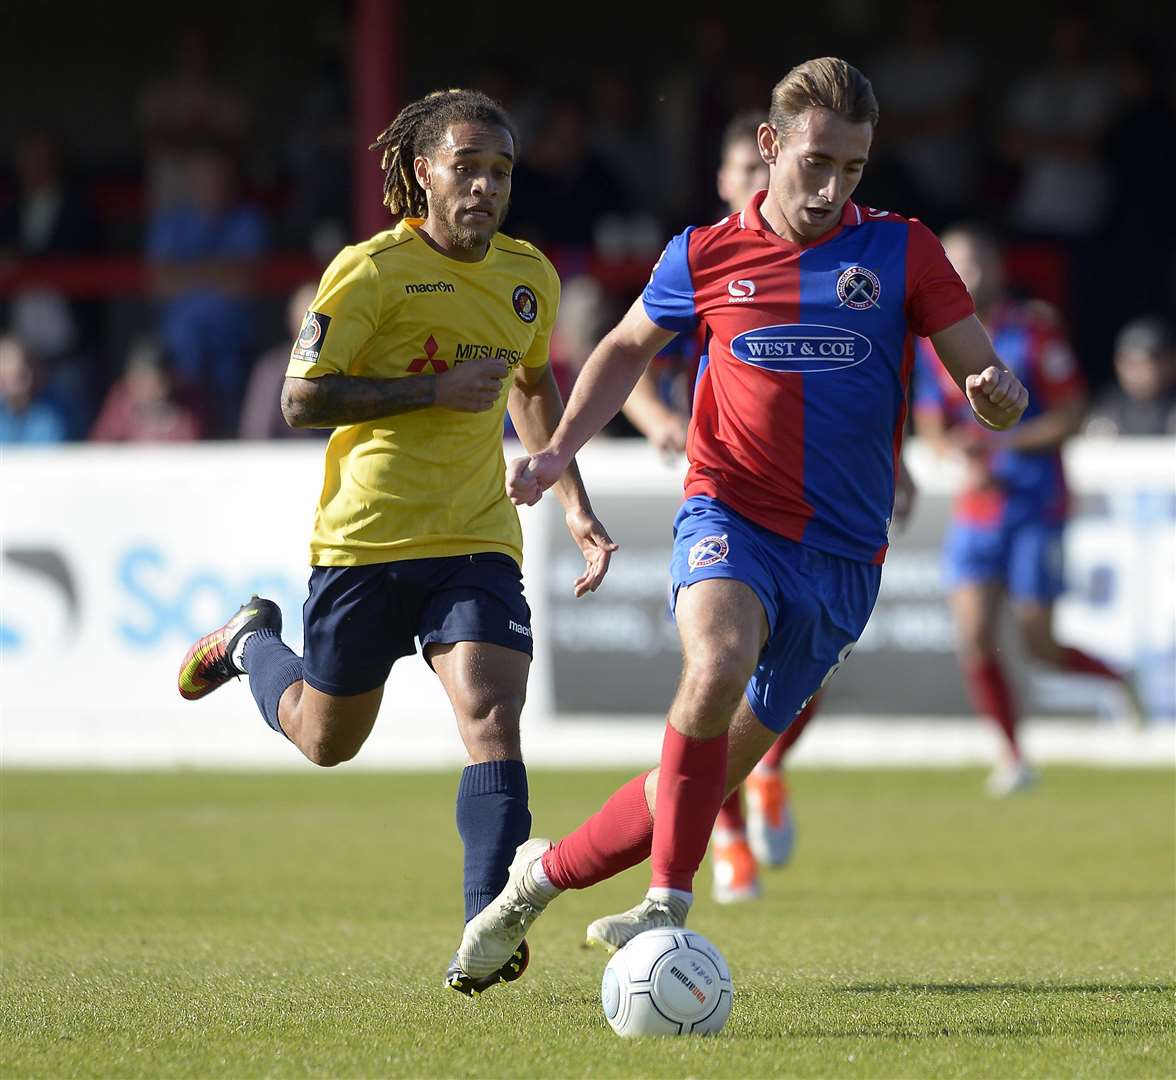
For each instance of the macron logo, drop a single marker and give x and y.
(518, 628)
(430, 286)
(740, 291)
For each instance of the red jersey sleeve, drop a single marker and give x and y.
(1056, 377)
(935, 296)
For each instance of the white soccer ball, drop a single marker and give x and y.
(667, 982)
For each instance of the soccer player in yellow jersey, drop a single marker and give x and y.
(417, 342)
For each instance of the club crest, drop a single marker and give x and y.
(525, 305)
(708, 551)
(858, 288)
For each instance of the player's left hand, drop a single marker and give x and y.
(997, 397)
(596, 545)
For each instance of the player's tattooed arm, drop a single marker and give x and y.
(335, 400)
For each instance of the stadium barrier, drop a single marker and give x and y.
(114, 559)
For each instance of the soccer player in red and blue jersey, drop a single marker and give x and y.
(1005, 540)
(812, 305)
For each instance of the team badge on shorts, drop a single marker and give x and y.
(708, 551)
(858, 288)
(525, 305)
(310, 337)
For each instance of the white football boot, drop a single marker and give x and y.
(492, 936)
(613, 931)
(1011, 778)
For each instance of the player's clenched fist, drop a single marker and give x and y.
(471, 387)
(997, 397)
(528, 477)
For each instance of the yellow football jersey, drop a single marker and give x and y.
(430, 482)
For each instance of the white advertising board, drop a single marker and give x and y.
(114, 559)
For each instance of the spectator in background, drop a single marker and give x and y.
(659, 406)
(148, 404)
(562, 189)
(202, 253)
(1144, 401)
(261, 414)
(1138, 246)
(929, 85)
(1057, 117)
(26, 415)
(623, 138)
(187, 107)
(318, 141)
(50, 217)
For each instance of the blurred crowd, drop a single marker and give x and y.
(228, 218)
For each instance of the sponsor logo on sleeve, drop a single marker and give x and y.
(311, 337)
(525, 305)
(801, 347)
(858, 288)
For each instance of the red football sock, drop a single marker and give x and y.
(616, 837)
(990, 693)
(774, 758)
(1081, 663)
(690, 789)
(731, 814)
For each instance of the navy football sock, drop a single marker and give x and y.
(493, 819)
(272, 666)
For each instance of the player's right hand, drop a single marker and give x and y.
(471, 387)
(528, 477)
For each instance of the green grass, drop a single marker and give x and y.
(212, 925)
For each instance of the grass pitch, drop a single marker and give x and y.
(210, 925)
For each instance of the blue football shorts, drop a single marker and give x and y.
(816, 604)
(359, 620)
(1024, 556)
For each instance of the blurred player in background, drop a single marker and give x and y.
(812, 304)
(415, 345)
(767, 833)
(1005, 540)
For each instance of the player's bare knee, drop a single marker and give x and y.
(715, 683)
(327, 753)
(491, 729)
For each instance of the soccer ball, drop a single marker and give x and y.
(667, 982)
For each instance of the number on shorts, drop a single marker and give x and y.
(842, 656)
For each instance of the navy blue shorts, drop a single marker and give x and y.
(1025, 557)
(359, 620)
(816, 604)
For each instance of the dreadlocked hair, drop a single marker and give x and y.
(419, 129)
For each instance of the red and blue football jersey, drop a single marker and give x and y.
(1028, 484)
(800, 402)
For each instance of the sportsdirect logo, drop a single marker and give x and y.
(801, 347)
